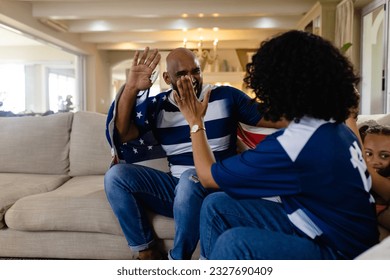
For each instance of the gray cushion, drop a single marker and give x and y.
(384, 120)
(79, 205)
(63, 245)
(35, 144)
(89, 150)
(380, 251)
(364, 118)
(16, 186)
(373, 119)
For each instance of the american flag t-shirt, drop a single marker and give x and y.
(146, 147)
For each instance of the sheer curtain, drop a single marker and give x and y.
(344, 24)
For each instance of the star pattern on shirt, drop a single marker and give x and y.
(154, 100)
(135, 151)
(150, 148)
(139, 115)
(141, 141)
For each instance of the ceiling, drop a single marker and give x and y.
(129, 24)
(11, 38)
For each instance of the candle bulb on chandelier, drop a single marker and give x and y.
(200, 43)
(215, 45)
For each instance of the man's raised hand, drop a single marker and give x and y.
(142, 69)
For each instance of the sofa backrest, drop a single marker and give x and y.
(90, 153)
(35, 144)
(382, 119)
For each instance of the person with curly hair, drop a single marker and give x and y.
(304, 191)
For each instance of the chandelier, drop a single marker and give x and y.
(207, 57)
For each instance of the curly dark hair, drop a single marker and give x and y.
(297, 74)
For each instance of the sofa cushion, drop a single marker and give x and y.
(63, 245)
(79, 205)
(16, 186)
(382, 119)
(380, 251)
(35, 144)
(89, 150)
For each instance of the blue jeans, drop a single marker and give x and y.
(253, 229)
(132, 189)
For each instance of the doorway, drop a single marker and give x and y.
(374, 59)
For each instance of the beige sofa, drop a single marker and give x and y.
(52, 200)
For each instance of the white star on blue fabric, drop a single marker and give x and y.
(135, 151)
(164, 98)
(150, 148)
(139, 115)
(154, 100)
(141, 141)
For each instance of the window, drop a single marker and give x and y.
(62, 90)
(12, 88)
(38, 77)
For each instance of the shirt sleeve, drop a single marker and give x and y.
(139, 117)
(248, 112)
(265, 171)
(145, 147)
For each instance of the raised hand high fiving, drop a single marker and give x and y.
(142, 69)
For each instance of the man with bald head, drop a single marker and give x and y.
(156, 123)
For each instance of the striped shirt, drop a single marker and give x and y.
(159, 118)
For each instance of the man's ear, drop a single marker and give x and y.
(167, 79)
